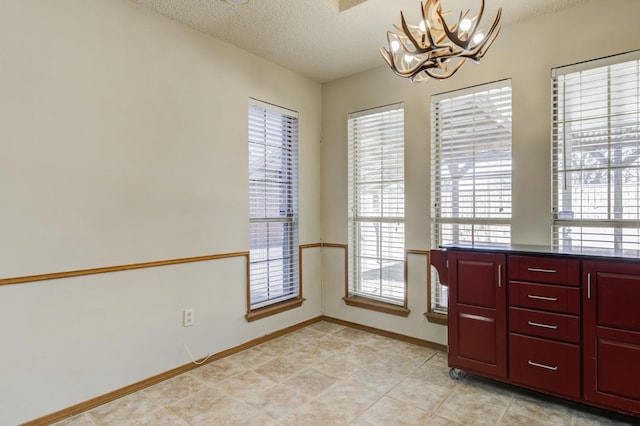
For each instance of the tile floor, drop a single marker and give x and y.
(327, 374)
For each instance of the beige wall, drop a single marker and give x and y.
(124, 140)
(525, 52)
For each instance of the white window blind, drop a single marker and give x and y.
(376, 204)
(273, 204)
(470, 169)
(596, 154)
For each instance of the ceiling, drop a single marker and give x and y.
(325, 39)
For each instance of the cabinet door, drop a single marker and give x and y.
(611, 321)
(477, 313)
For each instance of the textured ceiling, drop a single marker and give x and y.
(314, 37)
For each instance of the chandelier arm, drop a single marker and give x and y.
(427, 28)
(475, 22)
(479, 51)
(447, 74)
(453, 34)
(408, 32)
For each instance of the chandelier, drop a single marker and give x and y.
(434, 48)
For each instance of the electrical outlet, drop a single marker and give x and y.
(188, 317)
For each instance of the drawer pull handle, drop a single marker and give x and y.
(537, 324)
(546, 271)
(476, 317)
(547, 367)
(550, 299)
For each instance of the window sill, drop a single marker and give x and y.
(267, 311)
(437, 318)
(375, 305)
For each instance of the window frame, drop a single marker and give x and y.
(387, 125)
(437, 293)
(269, 123)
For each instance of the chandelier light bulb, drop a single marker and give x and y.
(478, 38)
(395, 45)
(423, 26)
(465, 24)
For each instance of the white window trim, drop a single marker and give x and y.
(290, 218)
(356, 219)
(438, 295)
(586, 229)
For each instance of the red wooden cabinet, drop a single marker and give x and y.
(477, 313)
(563, 324)
(611, 324)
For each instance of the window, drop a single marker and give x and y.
(596, 154)
(273, 206)
(376, 206)
(470, 170)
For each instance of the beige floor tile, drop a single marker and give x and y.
(332, 344)
(388, 411)
(349, 397)
(339, 366)
(307, 356)
(418, 353)
(542, 409)
(355, 336)
(280, 346)
(415, 392)
(377, 379)
(277, 402)
(307, 336)
(435, 374)
(244, 385)
(386, 344)
(360, 351)
(359, 422)
(436, 420)
(316, 413)
(470, 409)
(325, 327)
(440, 359)
(486, 391)
(218, 371)
(124, 409)
(279, 369)
(175, 389)
(79, 420)
(229, 412)
(251, 357)
(196, 407)
(515, 419)
(309, 382)
(396, 362)
(161, 417)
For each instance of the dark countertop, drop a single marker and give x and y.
(529, 249)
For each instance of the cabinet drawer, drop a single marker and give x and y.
(552, 270)
(545, 297)
(545, 324)
(545, 365)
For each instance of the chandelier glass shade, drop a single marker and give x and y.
(435, 49)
